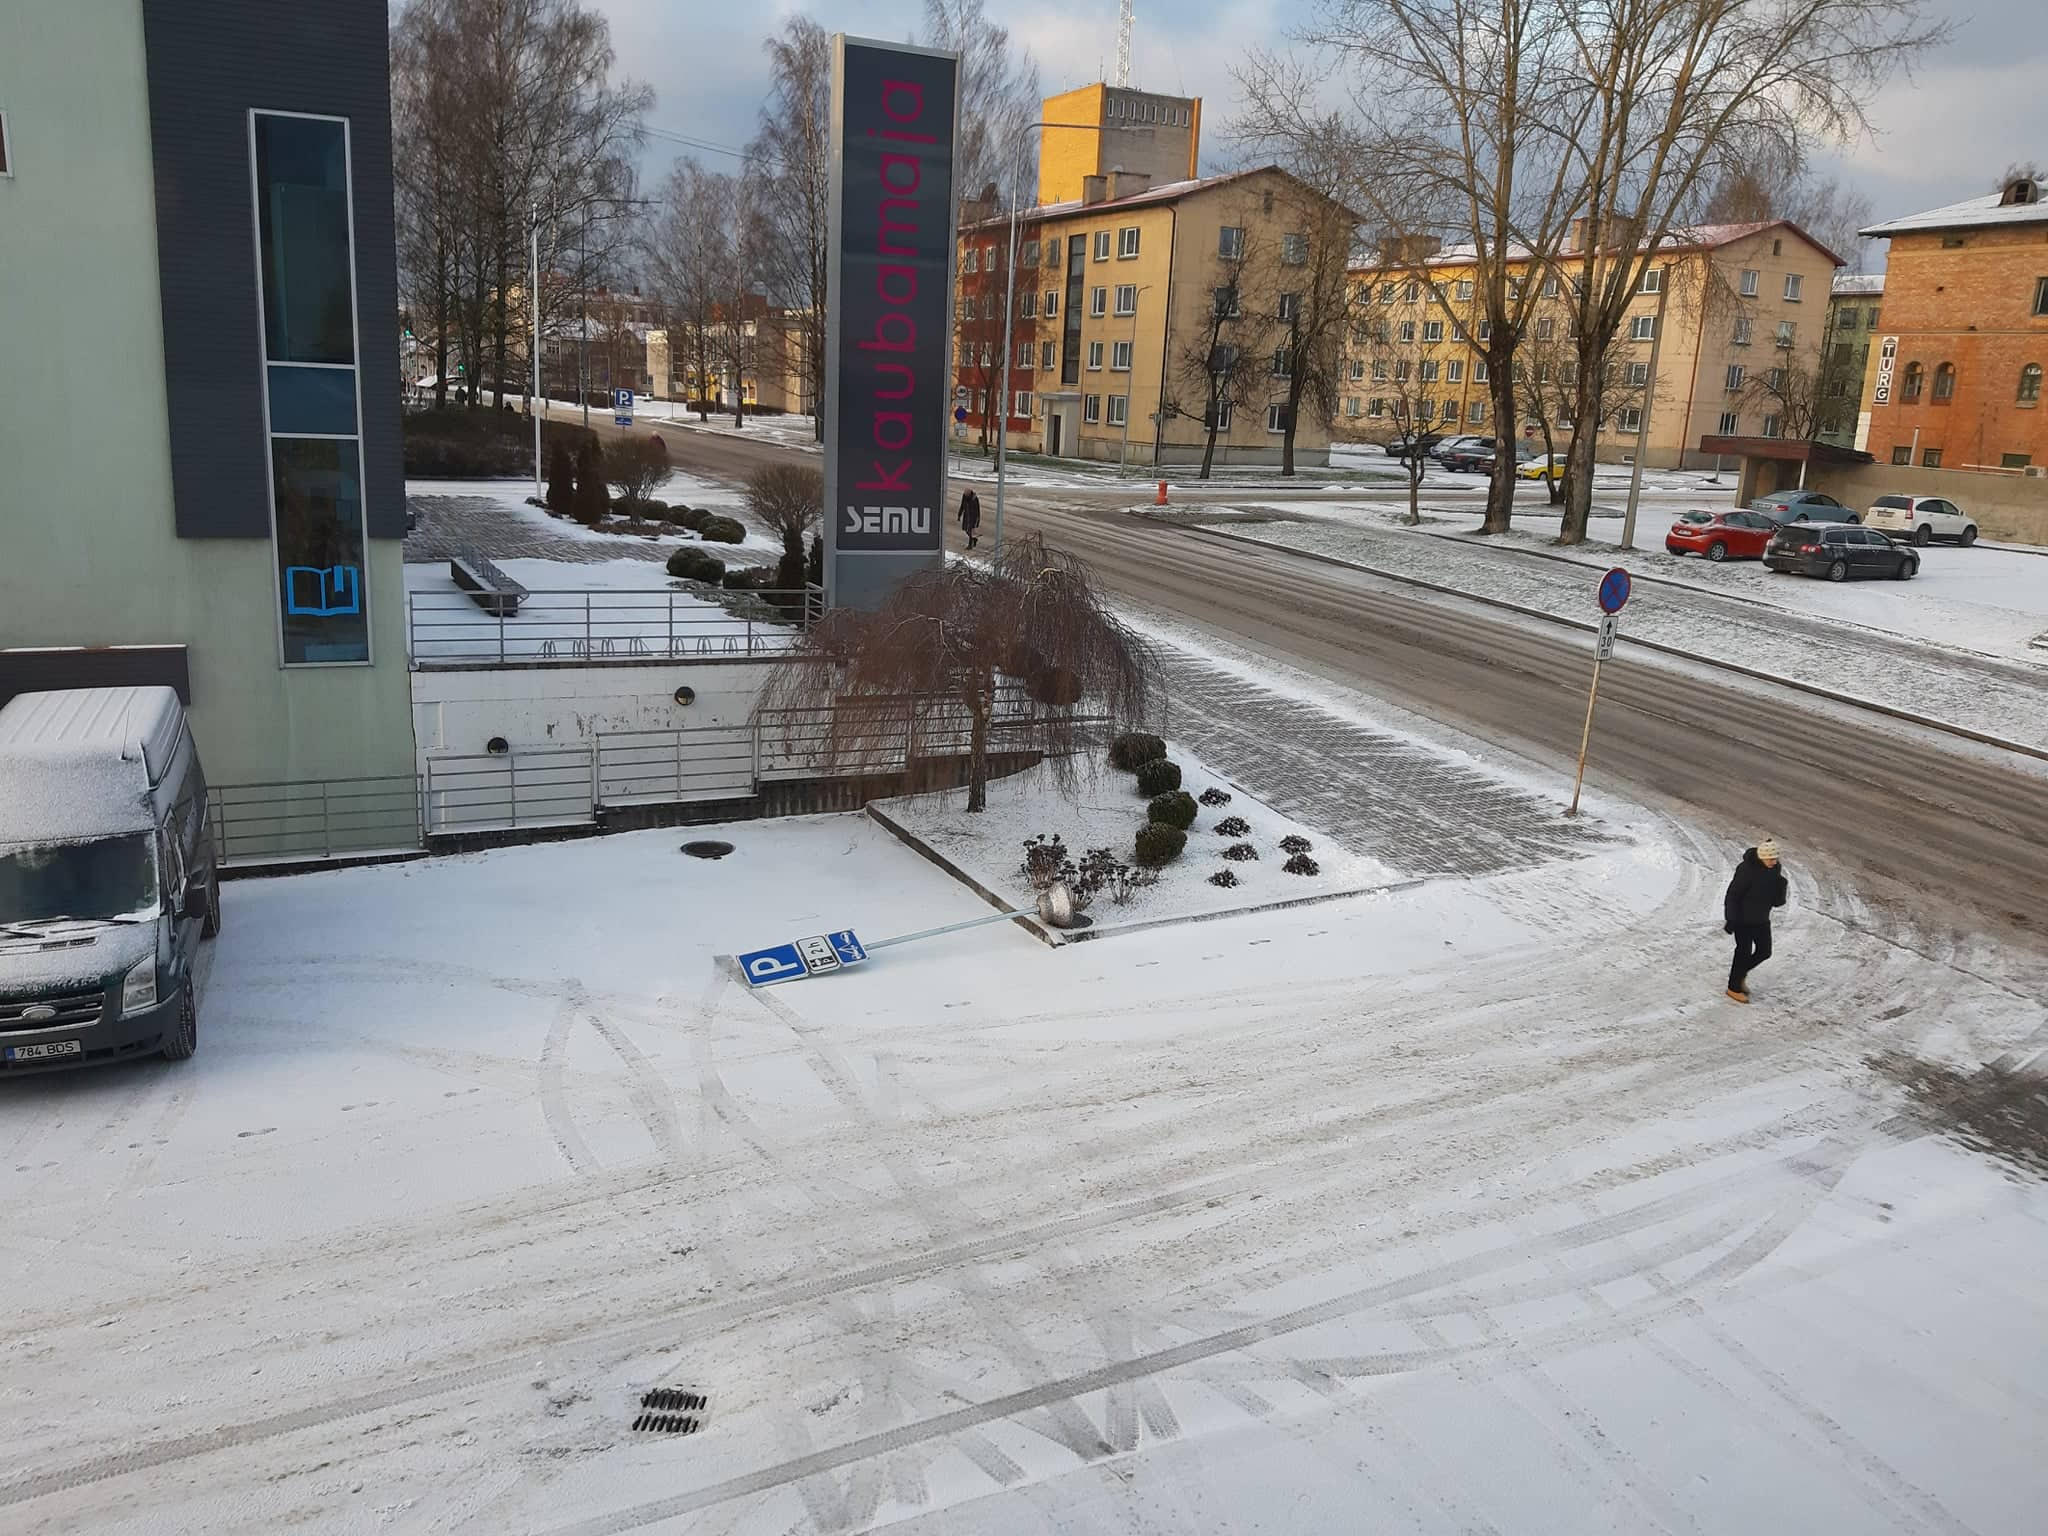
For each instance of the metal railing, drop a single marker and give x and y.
(574, 626)
(498, 791)
(308, 820)
(314, 819)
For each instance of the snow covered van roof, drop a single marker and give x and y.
(79, 763)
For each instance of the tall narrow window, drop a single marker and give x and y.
(305, 280)
(1945, 381)
(2030, 384)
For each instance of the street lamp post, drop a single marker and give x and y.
(1009, 300)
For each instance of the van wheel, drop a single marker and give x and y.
(1839, 571)
(183, 1039)
(1923, 535)
(1717, 551)
(1969, 537)
(209, 926)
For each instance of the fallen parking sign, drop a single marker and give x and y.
(813, 956)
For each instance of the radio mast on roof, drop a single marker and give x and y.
(1123, 44)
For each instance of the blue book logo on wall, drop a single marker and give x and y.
(322, 592)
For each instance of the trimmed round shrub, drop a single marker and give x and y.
(1175, 808)
(1214, 796)
(1302, 864)
(1295, 844)
(1159, 844)
(1134, 749)
(1158, 776)
(692, 564)
(1224, 878)
(692, 518)
(1238, 853)
(1233, 826)
(722, 530)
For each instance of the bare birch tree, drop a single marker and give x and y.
(1459, 122)
(999, 98)
(1679, 93)
(686, 261)
(792, 151)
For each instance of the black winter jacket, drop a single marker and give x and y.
(1754, 891)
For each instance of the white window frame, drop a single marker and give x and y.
(1731, 424)
(1407, 333)
(1223, 411)
(1464, 289)
(1788, 334)
(1480, 372)
(1653, 280)
(1098, 302)
(1795, 284)
(1119, 357)
(1118, 410)
(1733, 379)
(1126, 298)
(1352, 405)
(1476, 412)
(1027, 354)
(1376, 406)
(1127, 242)
(1744, 328)
(1432, 330)
(1773, 425)
(1379, 370)
(1052, 304)
(1454, 371)
(1751, 280)
(1048, 356)
(1020, 405)
(1289, 246)
(1101, 245)
(1095, 357)
(1638, 375)
(1631, 419)
(1027, 308)
(1427, 373)
(1228, 249)
(1091, 410)
(1273, 424)
(972, 263)
(1642, 327)
(348, 172)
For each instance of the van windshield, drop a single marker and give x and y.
(98, 880)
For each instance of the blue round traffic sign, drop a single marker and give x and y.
(1614, 587)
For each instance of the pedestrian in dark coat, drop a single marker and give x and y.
(970, 515)
(1758, 887)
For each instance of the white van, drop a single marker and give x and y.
(108, 880)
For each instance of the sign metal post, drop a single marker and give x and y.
(1614, 591)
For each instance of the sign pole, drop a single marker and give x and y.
(1613, 596)
(1585, 737)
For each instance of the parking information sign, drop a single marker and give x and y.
(622, 403)
(1610, 626)
(1614, 589)
(803, 957)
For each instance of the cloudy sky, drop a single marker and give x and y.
(1945, 134)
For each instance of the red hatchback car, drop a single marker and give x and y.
(1721, 535)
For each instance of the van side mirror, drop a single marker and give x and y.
(193, 904)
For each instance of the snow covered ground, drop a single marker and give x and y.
(616, 608)
(512, 499)
(1468, 1207)
(1105, 810)
(1941, 679)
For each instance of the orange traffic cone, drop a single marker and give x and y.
(1162, 495)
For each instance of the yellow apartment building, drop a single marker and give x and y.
(1744, 317)
(1121, 316)
(1100, 129)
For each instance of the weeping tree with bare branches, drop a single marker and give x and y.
(959, 643)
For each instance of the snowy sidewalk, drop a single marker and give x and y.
(1999, 698)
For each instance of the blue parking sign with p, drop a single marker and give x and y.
(812, 956)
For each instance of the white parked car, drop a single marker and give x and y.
(1922, 519)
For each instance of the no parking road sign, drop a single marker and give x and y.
(1614, 590)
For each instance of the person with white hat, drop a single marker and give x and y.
(1758, 887)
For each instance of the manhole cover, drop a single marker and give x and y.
(670, 1411)
(708, 849)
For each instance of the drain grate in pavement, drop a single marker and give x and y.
(670, 1411)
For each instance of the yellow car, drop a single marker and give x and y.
(1545, 466)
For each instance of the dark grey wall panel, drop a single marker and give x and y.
(210, 61)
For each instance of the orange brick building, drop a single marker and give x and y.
(1955, 375)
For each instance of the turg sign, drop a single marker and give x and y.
(889, 325)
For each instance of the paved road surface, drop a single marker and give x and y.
(1920, 820)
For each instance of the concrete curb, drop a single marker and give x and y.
(920, 847)
(1081, 936)
(1057, 938)
(1926, 721)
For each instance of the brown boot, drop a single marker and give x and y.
(1740, 997)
